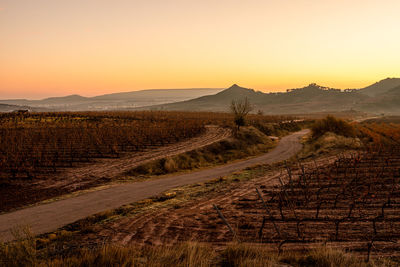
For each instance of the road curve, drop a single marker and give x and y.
(112, 168)
(49, 217)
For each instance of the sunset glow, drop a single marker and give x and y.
(88, 47)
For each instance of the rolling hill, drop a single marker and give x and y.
(312, 98)
(381, 87)
(387, 102)
(380, 97)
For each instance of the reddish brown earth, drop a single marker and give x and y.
(24, 192)
(198, 221)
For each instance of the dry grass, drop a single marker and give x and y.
(328, 143)
(249, 141)
(188, 254)
(333, 125)
(24, 253)
(330, 135)
(322, 256)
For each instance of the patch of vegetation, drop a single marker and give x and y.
(333, 125)
(243, 254)
(24, 253)
(249, 141)
(330, 135)
(281, 128)
(328, 143)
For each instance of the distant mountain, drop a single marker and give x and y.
(65, 99)
(217, 101)
(312, 98)
(380, 97)
(159, 93)
(381, 87)
(116, 101)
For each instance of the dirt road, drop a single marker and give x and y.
(88, 175)
(195, 220)
(111, 168)
(49, 217)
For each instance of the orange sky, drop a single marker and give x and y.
(92, 47)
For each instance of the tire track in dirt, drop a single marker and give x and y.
(112, 168)
(196, 220)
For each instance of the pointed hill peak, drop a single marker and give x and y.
(236, 89)
(237, 92)
(234, 86)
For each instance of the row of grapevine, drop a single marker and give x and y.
(36, 143)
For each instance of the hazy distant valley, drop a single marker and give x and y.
(115, 101)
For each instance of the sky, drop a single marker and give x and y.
(93, 47)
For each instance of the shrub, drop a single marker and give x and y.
(334, 125)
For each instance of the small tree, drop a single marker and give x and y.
(240, 108)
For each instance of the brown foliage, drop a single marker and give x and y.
(334, 125)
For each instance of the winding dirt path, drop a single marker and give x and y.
(195, 220)
(22, 193)
(49, 217)
(112, 168)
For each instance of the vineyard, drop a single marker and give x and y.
(380, 134)
(43, 155)
(35, 144)
(349, 201)
(353, 203)
(41, 143)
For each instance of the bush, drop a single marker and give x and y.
(334, 125)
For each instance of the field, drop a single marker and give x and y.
(348, 200)
(352, 204)
(379, 133)
(44, 155)
(35, 144)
